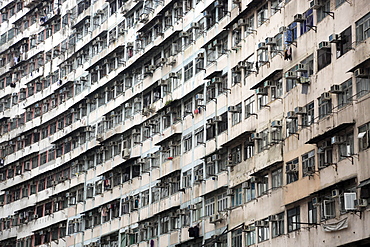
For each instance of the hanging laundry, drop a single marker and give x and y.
(288, 53)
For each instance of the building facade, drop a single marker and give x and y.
(184, 123)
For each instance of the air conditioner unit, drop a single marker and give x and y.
(199, 96)
(337, 89)
(291, 115)
(130, 44)
(292, 168)
(173, 75)
(335, 193)
(301, 68)
(246, 185)
(242, 22)
(200, 55)
(274, 217)
(335, 140)
(198, 178)
(217, 119)
(300, 110)
(334, 38)
(229, 192)
(325, 96)
(216, 218)
(269, 83)
(162, 60)
(256, 136)
(270, 41)
(194, 25)
(135, 132)
(315, 4)
(361, 72)
(216, 157)
(216, 80)
(126, 153)
(206, 14)
(261, 46)
(261, 91)
(183, 34)
(361, 203)
(299, 18)
(283, 29)
(233, 109)
(324, 45)
(249, 228)
(261, 223)
(276, 123)
(290, 75)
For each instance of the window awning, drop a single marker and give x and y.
(329, 133)
(364, 183)
(271, 75)
(238, 139)
(168, 138)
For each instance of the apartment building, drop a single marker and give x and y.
(184, 123)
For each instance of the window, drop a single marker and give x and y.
(263, 230)
(308, 117)
(277, 178)
(312, 213)
(188, 71)
(323, 58)
(278, 225)
(308, 163)
(362, 86)
(199, 136)
(222, 202)
(248, 149)
(236, 238)
(236, 117)
(249, 107)
(308, 62)
(325, 107)
(236, 155)
(292, 171)
(322, 12)
(277, 89)
(237, 197)
(251, 234)
(346, 148)
(293, 219)
(188, 142)
(325, 154)
(345, 96)
(345, 43)
(307, 24)
(263, 143)
(363, 28)
(250, 192)
(327, 209)
(262, 185)
(209, 208)
(186, 179)
(262, 15)
(364, 136)
(199, 64)
(292, 33)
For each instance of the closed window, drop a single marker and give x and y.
(294, 219)
(345, 97)
(292, 171)
(363, 28)
(308, 163)
(277, 178)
